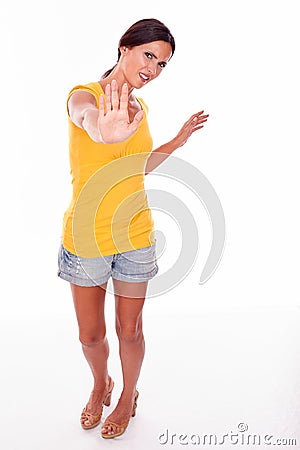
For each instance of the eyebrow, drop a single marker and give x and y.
(154, 56)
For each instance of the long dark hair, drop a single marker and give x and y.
(143, 32)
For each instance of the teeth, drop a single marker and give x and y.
(144, 77)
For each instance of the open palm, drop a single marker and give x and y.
(113, 122)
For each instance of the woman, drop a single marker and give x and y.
(110, 152)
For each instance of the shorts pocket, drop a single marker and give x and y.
(139, 262)
(67, 261)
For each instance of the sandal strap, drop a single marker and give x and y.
(86, 414)
(116, 427)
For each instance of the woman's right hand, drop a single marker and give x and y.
(113, 121)
(109, 123)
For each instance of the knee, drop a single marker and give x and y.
(92, 339)
(129, 333)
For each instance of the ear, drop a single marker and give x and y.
(123, 49)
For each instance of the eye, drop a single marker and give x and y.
(148, 55)
(162, 65)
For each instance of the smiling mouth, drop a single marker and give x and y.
(144, 77)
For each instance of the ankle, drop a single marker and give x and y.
(128, 394)
(99, 386)
(102, 383)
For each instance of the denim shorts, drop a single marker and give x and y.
(132, 266)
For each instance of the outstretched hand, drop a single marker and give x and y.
(194, 123)
(113, 122)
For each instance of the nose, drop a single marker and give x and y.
(152, 68)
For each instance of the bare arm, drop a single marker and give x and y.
(161, 153)
(84, 113)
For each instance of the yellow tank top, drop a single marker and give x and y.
(108, 212)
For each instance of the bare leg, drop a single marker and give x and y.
(89, 307)
(131, 345)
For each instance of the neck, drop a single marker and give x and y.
(117, 75)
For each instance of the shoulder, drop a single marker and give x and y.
(93, 88)
(143, 104)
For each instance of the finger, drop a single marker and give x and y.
(101, 106)
(193, 118)
(199, 115)
(138, 117)
(114, 95)
(197, 128)
(108, 97)
(200, 119)
(135, 123)
(124, 97)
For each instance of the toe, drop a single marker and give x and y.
(86, 422)
(107, 429)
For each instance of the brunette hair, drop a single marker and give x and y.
(143, 32)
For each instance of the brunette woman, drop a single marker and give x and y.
(108, 129)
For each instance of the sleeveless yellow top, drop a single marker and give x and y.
(108, 212)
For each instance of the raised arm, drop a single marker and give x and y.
(157, 156)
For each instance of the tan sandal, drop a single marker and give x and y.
(95, 419)
(118, 429)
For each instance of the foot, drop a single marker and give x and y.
(117, 422)
(91, 414)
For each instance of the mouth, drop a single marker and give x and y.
(144, 77)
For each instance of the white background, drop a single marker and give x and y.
(217, 354)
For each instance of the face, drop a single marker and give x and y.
(143, 63)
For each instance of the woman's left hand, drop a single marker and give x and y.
(194, 123)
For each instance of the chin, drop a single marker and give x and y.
(137, 83)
